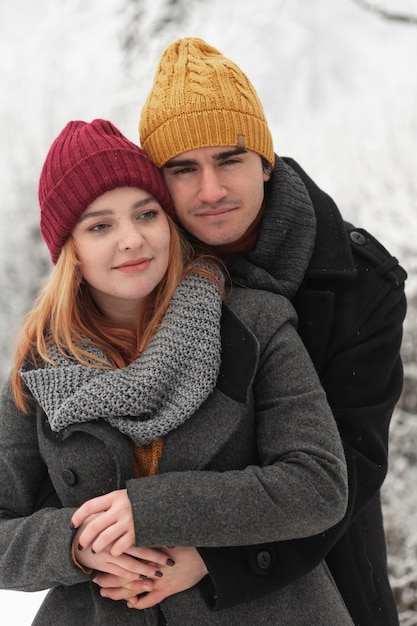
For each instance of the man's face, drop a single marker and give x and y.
(217, 191)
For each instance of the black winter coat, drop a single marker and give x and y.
(351, 308)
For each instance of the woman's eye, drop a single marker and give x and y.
(148, 215)
(98, 227)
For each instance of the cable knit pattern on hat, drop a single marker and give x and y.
(199, 98)
(157, 392)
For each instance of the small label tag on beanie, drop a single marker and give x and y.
(241, 141)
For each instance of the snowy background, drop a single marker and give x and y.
(339, 84)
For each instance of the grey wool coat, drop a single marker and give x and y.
(260, 461)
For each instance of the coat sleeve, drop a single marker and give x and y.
(297, 487)
(34, 545)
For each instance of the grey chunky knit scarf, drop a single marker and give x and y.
(157, 392)
(286, 237)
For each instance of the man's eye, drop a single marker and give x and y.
(230, 161)
(183, 170)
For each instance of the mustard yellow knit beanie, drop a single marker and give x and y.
(200, 98)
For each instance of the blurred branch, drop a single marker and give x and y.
(385, 14)
(142, 23)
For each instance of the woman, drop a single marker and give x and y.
(118, 392)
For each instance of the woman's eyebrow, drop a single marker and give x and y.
(93, 214)
(106, 212)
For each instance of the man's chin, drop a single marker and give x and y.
(217, 233)
(217, 241)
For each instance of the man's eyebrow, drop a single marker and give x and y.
(228, 153)
(179, 163)
(219, 156)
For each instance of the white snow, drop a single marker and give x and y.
(339, 87)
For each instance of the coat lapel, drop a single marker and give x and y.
(196, 442)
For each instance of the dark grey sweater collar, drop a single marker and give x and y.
(332, 255)
(286, 237)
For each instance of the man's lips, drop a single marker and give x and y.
(136, 265)
(214, 212)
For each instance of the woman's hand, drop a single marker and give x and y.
(131, 565)
(105, 542)
(188, 570)
(135, 563)
(110, 526)
(126, 566)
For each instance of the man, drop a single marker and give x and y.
(204, 125)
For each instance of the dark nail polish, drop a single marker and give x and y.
(158, 574)
(142, 577)
(80, 546)
(170, 562)
(71, 525)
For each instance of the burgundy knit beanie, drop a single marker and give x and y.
(85, 161)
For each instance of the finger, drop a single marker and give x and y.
(106, 534)
(95, 505)
(102, 579)
(150, 599)
(104, 530)
(124, 568)
(121, 544)
(158, 557)
(120, 572)
(127, 592)
(134, 569)
(93, 529)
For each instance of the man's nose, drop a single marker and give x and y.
(211, 188)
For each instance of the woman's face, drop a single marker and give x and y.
(122, 240)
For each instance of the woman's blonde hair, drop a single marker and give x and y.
(65, 314)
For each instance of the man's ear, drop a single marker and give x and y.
(267, 172)
(267, 169)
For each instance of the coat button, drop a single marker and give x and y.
(358, 238)
(263, 559)
(69, 477)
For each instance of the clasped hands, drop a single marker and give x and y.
(105, 541)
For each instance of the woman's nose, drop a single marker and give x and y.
(130, 236)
